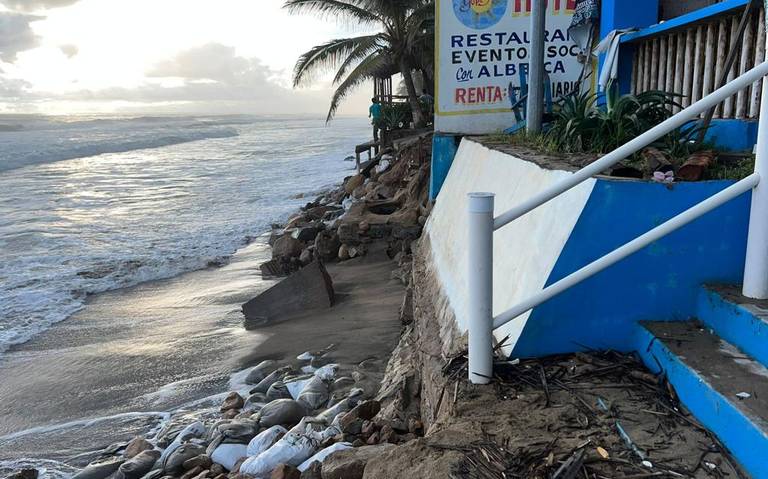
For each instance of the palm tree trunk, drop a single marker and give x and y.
(413, 99)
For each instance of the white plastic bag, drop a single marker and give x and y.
(327, 372)
(295, 386)
(265, 439)
(196, 429)
(228, 454)
(293, 449)
(320, 456)
(314, 395)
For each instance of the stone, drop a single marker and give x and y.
(260, 371)
(279, 267)
(26, 473)
(307, 233)
(282, 411)
(136, 467)
(351, 424)
(350, 463)
(286, 247)
(369, 427)
(415, 426)
(306, 257)
(216, 469)
(192, 472)
(284, 471)
(356, 251)
(352, 183)
(202, 475)
(314, 471)
(137, 446)
(348, 233)
(327, 245)
(359, 192)
(387, 434)
(373, 439)
(366, 410)
(202, 460)
(309, 288)
(231, 413)
(343, 252)
(233, 401)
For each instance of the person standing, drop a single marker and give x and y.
(374, 112)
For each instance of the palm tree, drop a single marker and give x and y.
(404, 44)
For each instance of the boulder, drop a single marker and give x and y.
(260, 371)
(233, 401)
(343, 252)
(313, 472)
(306, 257)
(136, 467)
(348, 233)
(327, 245)
(284, 471)
(202, 460)
(309, 288)
(350, 463)
(137, 446)
(307, 233)
(279, 267)
(351, 183)
(281, 412)
(286, 247)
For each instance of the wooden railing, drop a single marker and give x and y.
(690, 59)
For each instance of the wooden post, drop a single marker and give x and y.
(688, 74)
(709, 60)
(722, 52)
(698, 68)
(728, 105)
(680, 66)
(669, 84)
(754, 106)
(747, 46)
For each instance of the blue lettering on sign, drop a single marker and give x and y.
(463, 75)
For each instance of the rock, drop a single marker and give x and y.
(173, 463)
(314, 471)
(387, 434)
(355, 251)
(327, 245)
(348, 233)
(308, 233)
(373, 439)
(369, 427)
(279, 267)
(281, 411)
(100, 469)
(343, 252)
(366, 410)
(352, 183)
(309, 288)
(415, 426)
(260, 371)
(278, 390)
(351, 424)
(317, 213)
(202, 475)
(230, 413)
(233, 401)
(284, 471)
(306, 257)
(216, 469)
(26, 473)
(286, 247)
(359, 192)
(350, 463)
(138, 466)
(202, 461)
(192, 472)
(137, 446)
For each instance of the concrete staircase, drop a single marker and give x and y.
(717, 365)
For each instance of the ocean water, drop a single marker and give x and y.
(91, 204)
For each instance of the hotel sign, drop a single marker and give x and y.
(482, 46)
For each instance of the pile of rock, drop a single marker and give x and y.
(387, 201)
(291, 422)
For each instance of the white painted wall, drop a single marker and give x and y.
(525, 252)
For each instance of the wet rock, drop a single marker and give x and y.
(26, 473)
(137, 446)
(216, 469)
(317, 213)
(309, 288)
(260, 371)
(351, 463)
(174, 462)
(192, 472)
(308, 233)
(284, 471)
(202, 461)
(286, 247)
(281, 412)
(233, 401)
(327, 245)
(278, 390)
(343, 252)
(100, 469)
(136, 467)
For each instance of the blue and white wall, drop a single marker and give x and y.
(660, 282)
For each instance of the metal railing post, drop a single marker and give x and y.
(535, 100)
(480, 287)
(756, 265)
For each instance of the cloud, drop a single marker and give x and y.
(16, 34)
(36, 5)
(69, 50)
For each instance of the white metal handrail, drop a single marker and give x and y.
(482, 224)
(629, 149)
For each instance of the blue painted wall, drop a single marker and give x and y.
(733, 135)
(659, 282)
(444, 149)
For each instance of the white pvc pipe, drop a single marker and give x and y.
(756, 264)
(635, 145)
(535, 102)
(633, 246)
(480, 287)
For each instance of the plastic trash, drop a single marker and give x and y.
(305, 356)
(278, 390)
(320, 456)
(296, 385)
(327, 372)
(308, 369)
(194, 430)
(265, 439)
(260, 371)
(228, 454)
(281, 411)
(342, 406)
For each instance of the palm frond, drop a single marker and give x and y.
(366, 70)
(334, 8)
(327, 56)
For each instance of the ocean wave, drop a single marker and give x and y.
(73, 147)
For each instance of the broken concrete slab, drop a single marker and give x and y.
(309, 288)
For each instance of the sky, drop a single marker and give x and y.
(162, 56)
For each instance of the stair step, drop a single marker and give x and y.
(709, 374)
(741, 321)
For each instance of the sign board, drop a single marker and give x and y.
(482, 46)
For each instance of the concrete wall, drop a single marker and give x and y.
(525, 251)
(660, 282)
